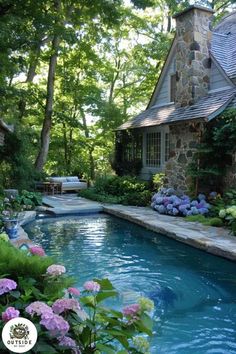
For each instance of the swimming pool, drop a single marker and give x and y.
(194, 292)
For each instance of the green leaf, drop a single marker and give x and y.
(105, 348)
(105, 295)
(15, 294)
(105, 284)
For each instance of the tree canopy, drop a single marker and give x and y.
(73, 71)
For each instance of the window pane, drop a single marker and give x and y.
(153, 149)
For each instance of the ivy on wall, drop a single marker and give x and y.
(214, 154)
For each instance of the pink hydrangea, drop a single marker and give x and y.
(62, 305)
(10, 313)
(39, 308)
(73, 291)
(55, 324)
(92, 286)
(131, 310)
(7, 285)
(56, 269)
(37, 251)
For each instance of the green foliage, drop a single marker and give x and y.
(158, 181)
(217, 222)
(92, 326)
(214, 154)
(90, 193)
(124, 190)
(29, 199)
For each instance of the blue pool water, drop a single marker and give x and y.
(194, 292)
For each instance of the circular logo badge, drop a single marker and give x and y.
(19, 335)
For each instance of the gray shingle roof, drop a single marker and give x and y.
(206, 108)
(6, 127)
(223, 44)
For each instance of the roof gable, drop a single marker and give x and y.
(160, 94)
(223, 44)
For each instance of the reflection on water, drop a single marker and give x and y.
(194, 292)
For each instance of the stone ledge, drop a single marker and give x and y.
(216, 241)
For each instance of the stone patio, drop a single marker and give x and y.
(214, 240)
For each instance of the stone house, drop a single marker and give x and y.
(197, 83)
(4, 128)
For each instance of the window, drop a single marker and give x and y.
(153, 149)
(172, 87)
(167, 146)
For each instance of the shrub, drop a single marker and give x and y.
(168, 201)
(68, 320)
(229, 217)
(124, 190)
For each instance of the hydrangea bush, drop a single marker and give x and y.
(168, 201)
(76, 321)
(229, 217)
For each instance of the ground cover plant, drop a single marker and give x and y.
(68, 320)
(124, 190)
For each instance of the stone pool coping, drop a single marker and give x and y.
(214, 240)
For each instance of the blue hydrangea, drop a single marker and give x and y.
(161, 209)
(194, 203)
(201, 197)
(169, 207)
(159, 200)
(203, 211)
(170, 191)
(194, 211)
(213, 194)
(175, 211)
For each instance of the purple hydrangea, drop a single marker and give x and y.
(56, 269)
(67, 342)
(39, 308)
(92, 286)
(131, 310)
(7, 285)
(62, 305)
(10, 313)
(55, 324)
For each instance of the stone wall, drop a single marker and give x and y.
(192, 55)
(184, 138)
(229, 180)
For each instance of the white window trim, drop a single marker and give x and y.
(163, 130)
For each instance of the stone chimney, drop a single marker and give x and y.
(192, 54)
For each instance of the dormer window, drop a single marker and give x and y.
(172, 87)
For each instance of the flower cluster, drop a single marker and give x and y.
(141, 344)
(10, 313)
(37, 251)
(168, 201)
(55, 324)
(228, 212)
(73, 291)
(62, 305)
(7, 285)
(55, 270)
(91, 286)
(131, 310)
(38, 308)
(146, 305)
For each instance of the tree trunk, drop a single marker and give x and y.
(47, 123)
(90, 148)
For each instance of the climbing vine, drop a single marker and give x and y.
(214, 154)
